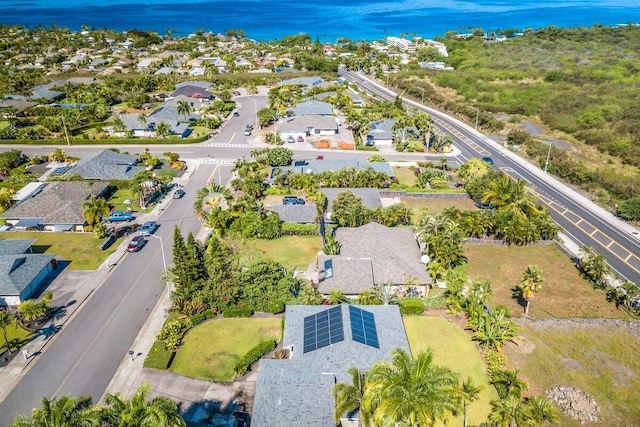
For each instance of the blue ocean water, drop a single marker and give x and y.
(326, 20)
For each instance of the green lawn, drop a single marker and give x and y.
(404, 175)
(82, 249)
(564, 293)
(17, 334)
(211, 350)
(453, 348)
(116, 201)
(435, 205)
(601, 360)
(290, 251)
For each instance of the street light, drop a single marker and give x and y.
(422, 99)
(477, 114)
(164, 262)
(546, 163)
(255, 110)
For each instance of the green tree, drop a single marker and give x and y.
(163, 129)
(594, 266)
(507, 383)
(510, 196)
(32, 310)
(67, 411)
(94, 209)
(6, 319)
(331, 245)
(211, 196)
(6, 195)
(336, 296)
(348, 397)
(348, 210)
(469, 393)
(184, 109)
(411, 392)
(530, 285)
(140, 410)
(509, 412)
(629, 209)
(309, 295)
(279, 156)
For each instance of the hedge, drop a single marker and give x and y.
(245, 362)
(275, 307)
(411, 306)
(296, 229)
(435, 302)
(237, 312)
(159, 357)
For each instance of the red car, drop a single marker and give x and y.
(300, 139)
(136, 244)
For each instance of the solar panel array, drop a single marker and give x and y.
(322, 329)
(363, 327)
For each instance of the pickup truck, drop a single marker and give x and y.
(118, 216)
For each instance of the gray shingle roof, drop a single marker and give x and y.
(392, 255)
(196, 83)
(57, 203)
(313, 107)
(106, 164)
(309, 122)
(15, 246)
(169, 115)
(17, 272)
(304, 214)
(303, 81)
(191, 90)
(297, 391)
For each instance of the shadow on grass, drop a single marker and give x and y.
(40, 249)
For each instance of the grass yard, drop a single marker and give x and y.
(404, 175)
(564, 293)
(16, 334)
(116, 201)
(435, 205)
(599, 359)
(81, 249)
(211, 350)
(453, 348)
(293, 252)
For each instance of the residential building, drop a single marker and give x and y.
(22, 273)
(106, 165)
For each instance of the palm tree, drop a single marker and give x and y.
(184, 109)
(594, 266)
(142, 119)
(6, 319)
(140, 411)
(309, 295)
(469, 393)
(509, 412)
(510, 196)
(331, 245)
(118, 125)
(336, 296)
(163, 129)
(6, 195)
(211, 196)
(349, 397)
(412, 392)
(541, 410)
(530, 285)
(94, 209)
(32, 310)
(493, 329)
(68, 411)
(508, 384)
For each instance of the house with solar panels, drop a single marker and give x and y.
(323, 343)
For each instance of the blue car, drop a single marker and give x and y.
(119, 216)
(148, 227)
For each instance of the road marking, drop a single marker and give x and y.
(232, 136)
(227, 145)
(214, 161)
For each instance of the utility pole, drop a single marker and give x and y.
(64, 125)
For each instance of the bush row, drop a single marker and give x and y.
(237, 312)
(198, 318)
(159, 357)
(295, 229)
(411, 306)
(245, 362)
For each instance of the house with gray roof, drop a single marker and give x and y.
(313, 107)
(381, 133)
(178, 123)
(311, 124)
(106, 165)
(192, 91)
(333, 165)
(198, 83)
(308, 82)
(323, 344)
(22, 273)
(57, 207)
(302, 214)
(372, 254)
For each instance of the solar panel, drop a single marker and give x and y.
(363, 327)
(322, 329)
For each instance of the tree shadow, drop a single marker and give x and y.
(516, 294)
(212, 412)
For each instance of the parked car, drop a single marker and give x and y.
(236, 114)
(291, 140)
(319, 157)
(292, 200)
(148, 227)
(118, 216)
(300, 139)
(247, 132)
(136, 244)
(488, 160)
(178, 194)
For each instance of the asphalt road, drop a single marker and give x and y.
(584, 221)
(84, 356)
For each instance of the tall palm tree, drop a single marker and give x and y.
(469, 393)
(510, 196)
(530, 285)
(413, 392)
(163, 129)
(68, 411)
(509, 412)
(349, 397)
(309, 295)
(508, 384)
(541, 410)
(210, 196)
(6, 319)
(139, 411)
(336, 296)
(32, 310)
(142, 119)
(184, 109)
(94, 209)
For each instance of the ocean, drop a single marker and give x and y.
(325, 20)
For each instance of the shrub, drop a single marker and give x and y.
(411, 306)
(245, 362)
(494, 360)
(295, 229)
(198, 318)
(237, 312)
(439, 301)
(504, 309)
(159, 357)
(275, 307)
